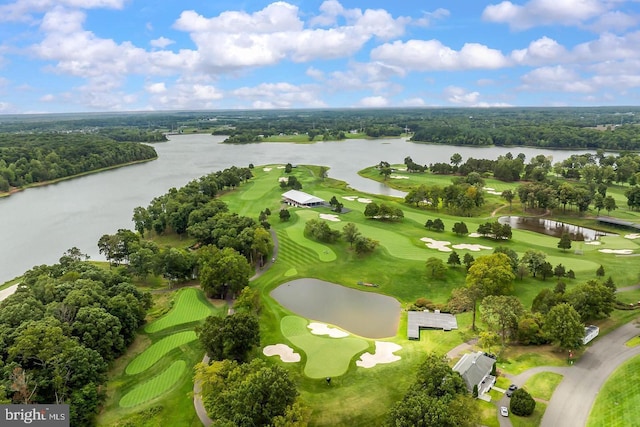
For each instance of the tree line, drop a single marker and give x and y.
(33, 158)
(60, 331)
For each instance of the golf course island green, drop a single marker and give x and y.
(365, 314)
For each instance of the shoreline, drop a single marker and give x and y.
(14, 190)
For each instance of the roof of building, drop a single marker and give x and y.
(619, 222)
(301, 197)
(429, 319)
(474, 367)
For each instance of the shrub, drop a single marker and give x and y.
(522, 403)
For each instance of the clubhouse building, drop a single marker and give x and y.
(301, 199)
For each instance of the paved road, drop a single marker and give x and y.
(5, 293)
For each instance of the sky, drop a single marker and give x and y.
(61, 56)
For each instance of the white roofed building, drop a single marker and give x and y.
(301, 199)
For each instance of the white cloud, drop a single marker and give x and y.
(555, 78)
(413, 102)
(430, 55)
(280, 95)
(315, 73)
(161, 42)
(47, 98)
(541, 51)
(544, 12)
(460, 96)
(428, 17)
(615, 21)
(156, 88)
(374, 102)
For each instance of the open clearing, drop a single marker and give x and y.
(153, 354)
(618, 402)
(326, 357)
(155, 386)
(188, 307)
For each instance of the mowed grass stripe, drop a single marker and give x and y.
(155, 386)
(188, 307)
(297, 254)
(156, 351)
(618, 401)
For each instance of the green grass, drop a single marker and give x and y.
(633, 342)
(532, 420)
(618, 402)
(158, 350)
(326, 357)
(518, 359)
(488, 414)
(155, 386)
(189, 306)
(296, 233)
(543, 385)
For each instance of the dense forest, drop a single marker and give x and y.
(39, 157)
(61, 329)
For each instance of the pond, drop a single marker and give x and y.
(366, 314)
(552, 228)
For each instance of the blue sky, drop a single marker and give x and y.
(129, 55)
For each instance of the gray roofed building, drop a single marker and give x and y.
(429, 320)
(475, 369)
(301, 199)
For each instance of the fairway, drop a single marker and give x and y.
(618, 402)
(258, 187)
(296, 233)
(155, 386)
(189, 306)
(326, 357)
(151, 355)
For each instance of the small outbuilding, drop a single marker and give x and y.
(429, 320)
(301, 199)
(475, 369)
(590, 332)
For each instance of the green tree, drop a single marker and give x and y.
(223, 271)
(592, 300)
(231, 337)
(489, 275)
(610, 204)
(468, 260)
(456, 158)
(533, 259)
(563, 327)
(508, 195)
(350, 233)
(438, 225)
(600, 271)
(454, 259)
(565, 242)
(522, 404)
(460, 228)
(435, 268)
(363, 245)
(99, 330)
(285, 215)
(501, 313)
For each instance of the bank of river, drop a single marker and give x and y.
(38, 225)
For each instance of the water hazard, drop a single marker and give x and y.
(366, 314)
(552, 228)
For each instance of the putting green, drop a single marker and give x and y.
(397, 245)
(326, 357)
(155, 352)
(155, 386)
(296, 233)
(189, 306)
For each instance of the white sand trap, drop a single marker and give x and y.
(474, 235)
(364, 200)
(616, 251)
(267, 169)
(330, 217)
(283, 179)
(474, 248)
(383, 354)
(632, 236)
(323, 329)
(489, 189)
(281, 167)
(497, 193)
(441, 245)
(286, 353)
(398, 177)
(350, 198)
(593, 242)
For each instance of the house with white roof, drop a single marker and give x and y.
(301, 199)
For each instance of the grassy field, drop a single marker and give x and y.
(543, 385)
(190, 306)
(154, 387)
(158, 350)
(532, 420)
(618, 402)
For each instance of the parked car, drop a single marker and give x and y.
(503, 411)
(512, 388)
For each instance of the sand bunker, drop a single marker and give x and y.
(283, 179)
(441, 245)
(616, 251)
(632, 236)
(350, 198)
(323, 329)
(285, 352)
(492, 191)
(267, 169)
(474, 248)
(330, 217)
(398, 177)
(281, 167)
(363, 200)
(593, 242)
(474, 235)
(384, 354)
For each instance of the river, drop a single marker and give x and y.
(40, 223)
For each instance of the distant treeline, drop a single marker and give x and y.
(31, 158)
(133, 135)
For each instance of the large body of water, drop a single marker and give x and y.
(39, 224)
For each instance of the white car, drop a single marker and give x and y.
(503, 411)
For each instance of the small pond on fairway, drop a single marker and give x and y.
(552, 228)
(366, 314)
